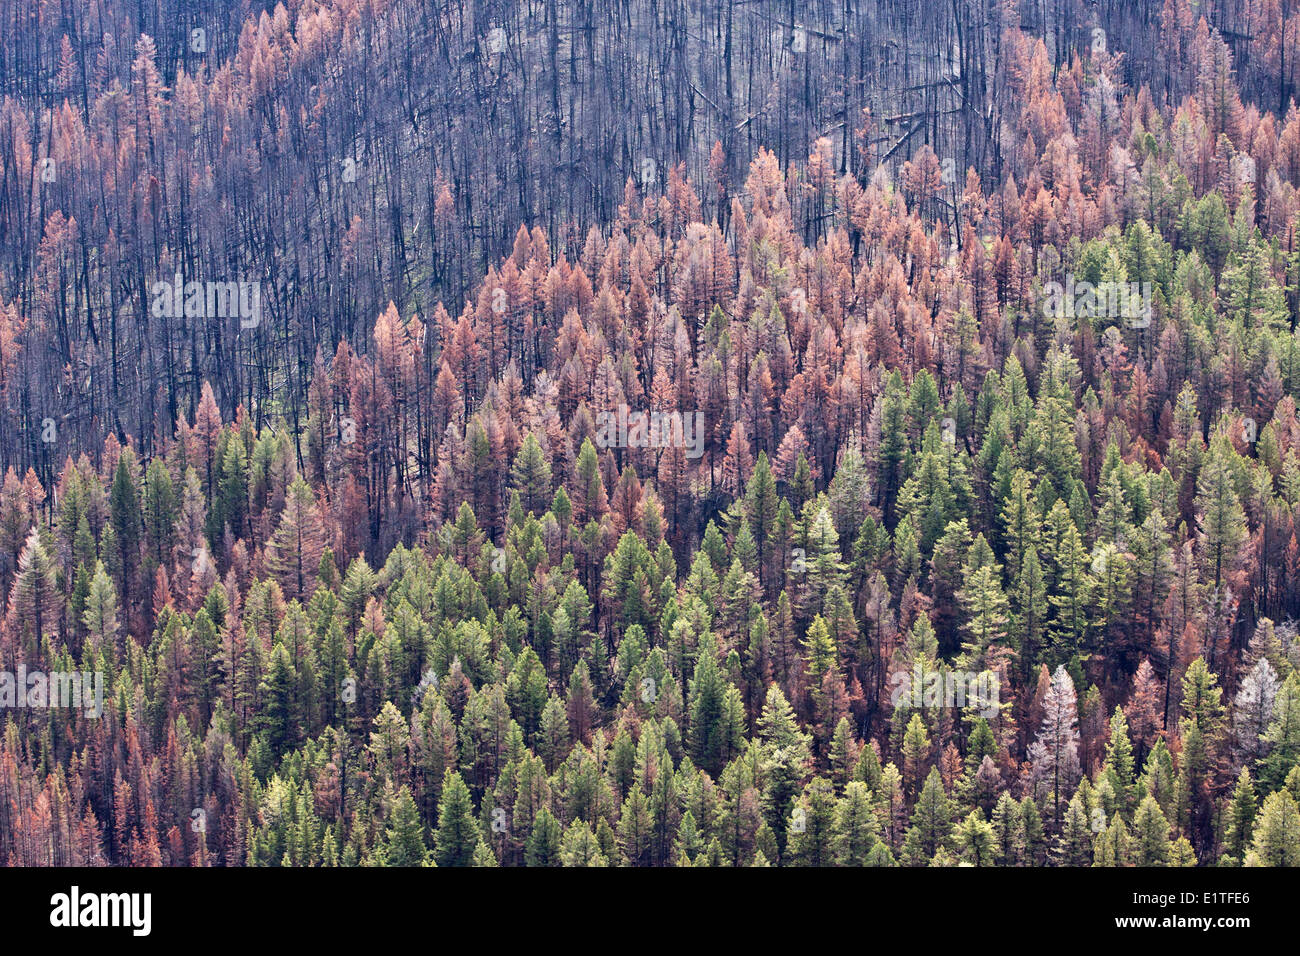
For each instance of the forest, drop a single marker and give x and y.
(663, 433)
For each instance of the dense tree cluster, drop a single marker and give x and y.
(950, 576)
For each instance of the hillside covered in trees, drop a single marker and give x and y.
(660, 434)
